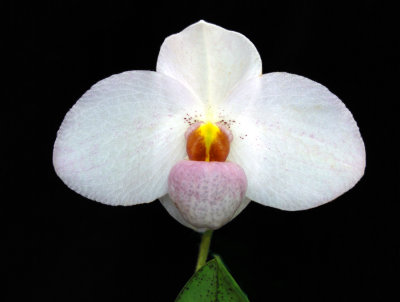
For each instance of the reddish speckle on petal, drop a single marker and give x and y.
(207, 194)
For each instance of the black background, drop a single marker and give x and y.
(63, 247)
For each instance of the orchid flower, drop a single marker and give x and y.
(207, 132)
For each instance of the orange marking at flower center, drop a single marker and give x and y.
(207, 143)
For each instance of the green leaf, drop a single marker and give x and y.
(212, 283)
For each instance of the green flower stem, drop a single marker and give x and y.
(203, 250)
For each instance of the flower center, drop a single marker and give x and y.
(208, 143)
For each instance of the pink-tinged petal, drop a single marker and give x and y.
(120, 140)
(209, 59)
(296, 141)
(172, 210)
(207, 195)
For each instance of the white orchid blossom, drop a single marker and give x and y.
(207, 132)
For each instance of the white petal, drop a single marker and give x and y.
(242, 206)
(209, 59)
(119, 141)
(296, 141)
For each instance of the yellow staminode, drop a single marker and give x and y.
(209, 132)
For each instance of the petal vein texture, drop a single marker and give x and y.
(210, 60)
(296, 141)
(120, 140)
